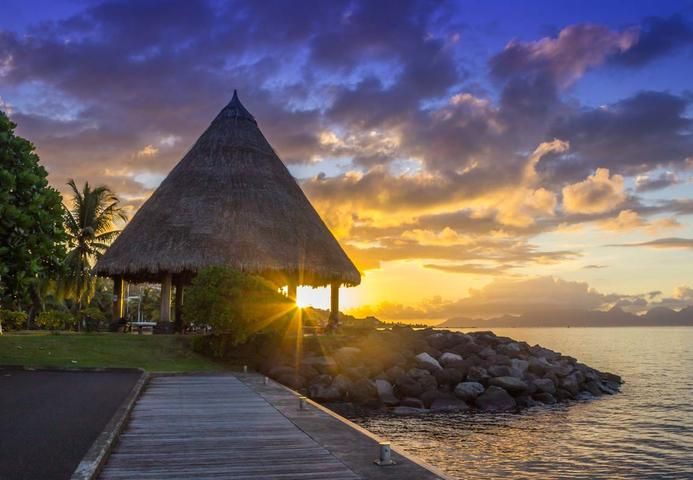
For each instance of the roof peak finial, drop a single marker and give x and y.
(236, 109)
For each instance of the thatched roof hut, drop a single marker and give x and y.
(230, 201)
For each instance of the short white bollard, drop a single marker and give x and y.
(245, 368)
(301, 403)
(265, 381)
(385, 455)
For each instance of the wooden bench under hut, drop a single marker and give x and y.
(229, 202)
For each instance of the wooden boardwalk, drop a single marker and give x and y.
(211, 427)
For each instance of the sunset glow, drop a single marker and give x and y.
(463, 156)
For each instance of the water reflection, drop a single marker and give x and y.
(644, 432)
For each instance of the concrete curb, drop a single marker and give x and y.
(90, 466)
(252, 380)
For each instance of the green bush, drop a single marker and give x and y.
(11, 320)
(55, 320)
(235, 305)
(93, 318)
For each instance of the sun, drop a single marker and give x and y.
(301, 302)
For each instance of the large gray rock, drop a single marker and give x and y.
(545, 385)
(449, 376)
(468, 391)
(495, 399)
(545, 398)
(499, 371)
(449, 405)
(510, 384)
(424, 360)
(570, 383)
(487, 352)
(362, 391)
(347, 357)
(519, 367)
(477, 374)
(539, 365)
(411, 402)
(342, 383)
(385, 392)
(408, 410)
(448, 359)
(408, 387)
(321, 364)
(324, 393)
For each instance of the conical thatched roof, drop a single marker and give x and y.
(229, 201)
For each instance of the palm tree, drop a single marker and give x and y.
(90, 228)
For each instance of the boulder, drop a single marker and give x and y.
(342, 383)
(321, 364)
(509, 384)
(430, 396)
(386, 393)
(428, 382)
(592, 387)
(321, 379)
(426, 361)
(408, 387)
(291, 380)
(448, 405)
(394, 372)
(324, 393)
(408, 410)
(448, 359)
(499, 371)
(449, 376)
(545, 398)
(477, 374)
(570, 383)
(563, 395)
(347, 357)
(411, 402)
(362, 390)
(511, 349)
(495, 399)
(539, 365)
(544, 385)
(519, 367)
(487, 352)
(525, 401)
(468, 391)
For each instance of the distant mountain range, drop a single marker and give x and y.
(616, 317)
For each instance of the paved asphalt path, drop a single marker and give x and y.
(49, 419)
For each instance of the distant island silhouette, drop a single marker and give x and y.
(616, 317)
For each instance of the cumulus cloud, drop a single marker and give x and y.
(565, 57)
(598, 193)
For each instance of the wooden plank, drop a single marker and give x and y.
(215, 427)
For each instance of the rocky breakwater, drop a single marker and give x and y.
(408, 372)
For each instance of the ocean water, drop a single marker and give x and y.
(644, 432)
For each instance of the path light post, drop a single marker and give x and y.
(385, 457)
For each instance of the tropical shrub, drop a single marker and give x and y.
(93, 318)
(55, 320)
(235, 305)
(11, 320)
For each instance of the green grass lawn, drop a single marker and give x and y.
(155, 353)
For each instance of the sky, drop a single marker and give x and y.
(473, 157)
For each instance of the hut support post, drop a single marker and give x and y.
(165, 315)
(334, 306)
(118, 287)
(291, 289)
(179, 307)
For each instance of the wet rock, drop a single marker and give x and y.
(428, 382)
(477, 374)
(525, 401)
(362, 390)
(411, 402)
(408, 387)
(545, 398)
(386, 393)
(539, 365)
(510, 384)
(487, 352)
(449, 376)
(468, 391)
(570, 383)
(430, 396)
(342, 383)
(450, 405)
(394, 372)
(499, 371)
(448, 359)
(324, 393)
(519, 367)
(425, 360)
(544, 385)
(563, 395)
(592, 386)
(495, 399)
(408, 411)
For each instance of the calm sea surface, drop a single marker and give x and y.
(644, 432)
